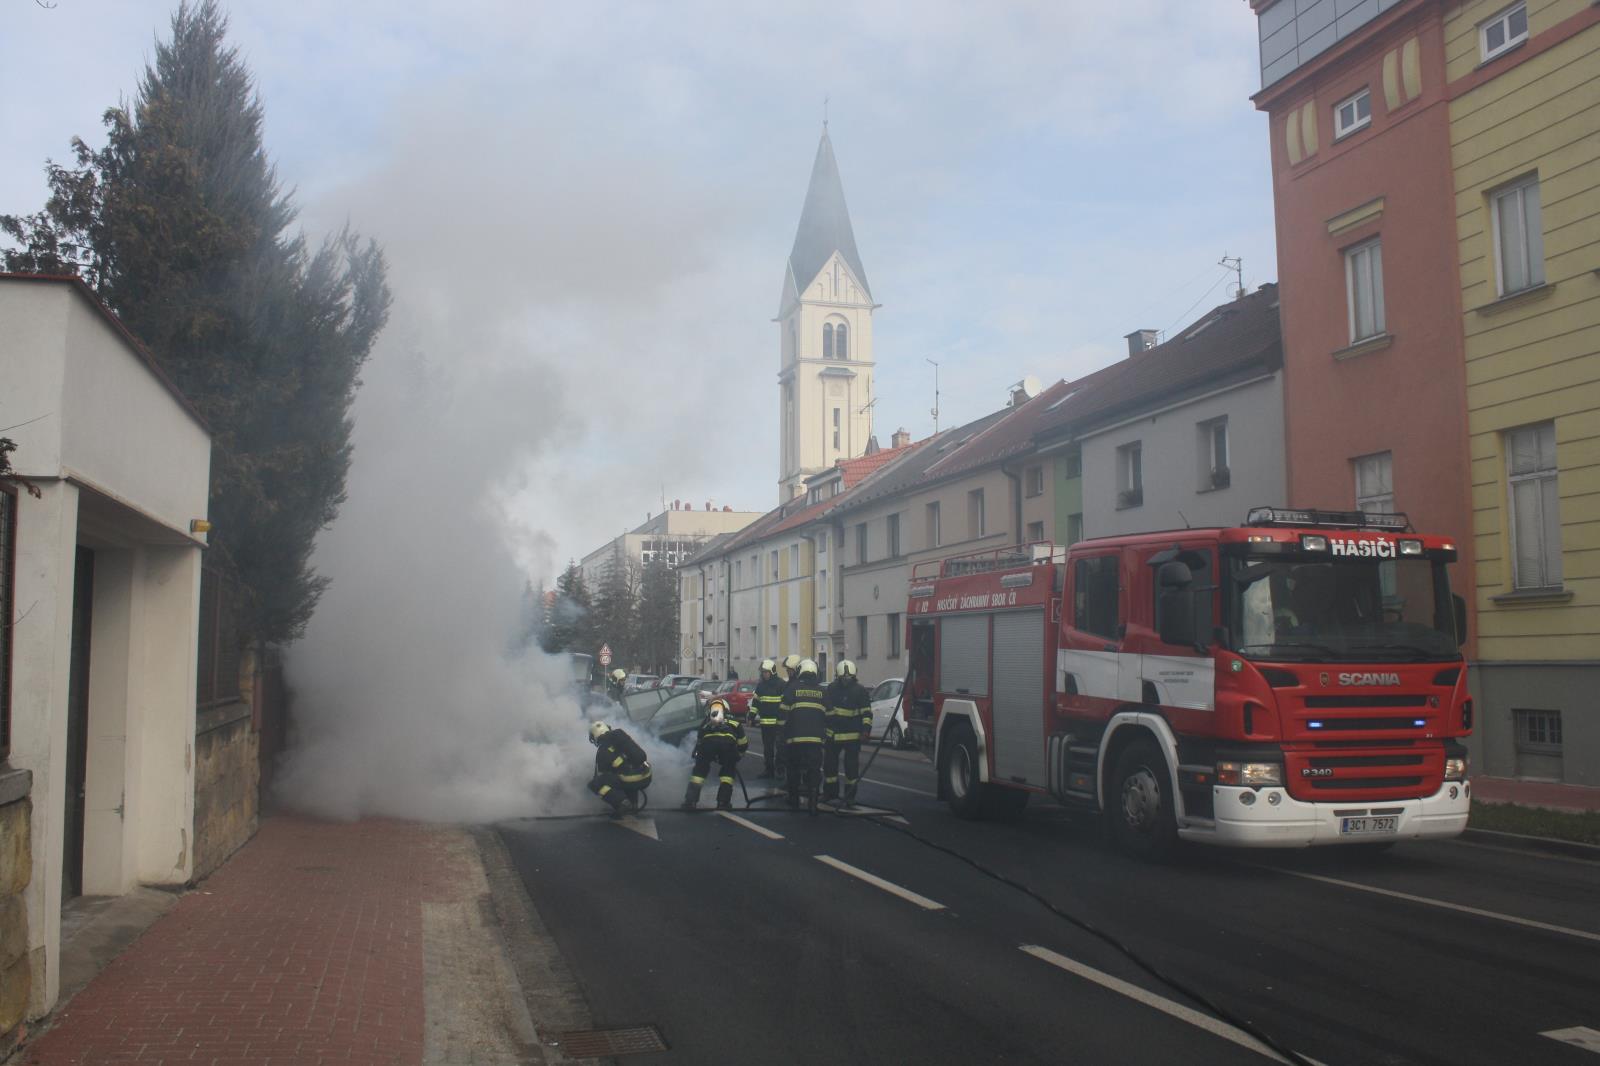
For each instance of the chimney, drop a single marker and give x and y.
(899, 438)
(708, 505)
(1142, 340)
(728, 507)
(676, 504)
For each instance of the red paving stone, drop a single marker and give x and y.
(1536, 793)
(305, 948)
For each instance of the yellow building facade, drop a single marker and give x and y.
(1524, 88)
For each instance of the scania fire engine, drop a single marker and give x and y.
(1294, 681)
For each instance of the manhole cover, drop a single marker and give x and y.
(603, 1043)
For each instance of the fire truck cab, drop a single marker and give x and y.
(1294, 681)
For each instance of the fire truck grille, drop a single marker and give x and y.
(1323, 702)
(1335, 784)
(1337, 762)
(1335, 725)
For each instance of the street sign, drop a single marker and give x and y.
(605, 655)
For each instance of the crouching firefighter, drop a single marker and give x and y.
(805, 725)
(621, 768)
(849, 724)
(722, 741)
(768, 704)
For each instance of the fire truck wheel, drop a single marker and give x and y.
(1139, 808)
(960, 769)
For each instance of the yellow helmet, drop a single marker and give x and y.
(598, 730)
(619, 675)
(769, 666)
(717, 710)
(791, 663)
(846, 668)
(808, 667)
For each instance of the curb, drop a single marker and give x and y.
(1522, 842)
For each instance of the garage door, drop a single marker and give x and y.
(1018, 740)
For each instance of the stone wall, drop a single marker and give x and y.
(16, 868)
(226, 785)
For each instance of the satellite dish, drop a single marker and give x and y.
(1031, 386)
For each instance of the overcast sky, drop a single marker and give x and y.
(594, 201)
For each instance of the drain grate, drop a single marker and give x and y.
(604, 1043)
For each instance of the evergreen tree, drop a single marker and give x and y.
(569, 625)
(658, 617)
(180, 225)
(616, 607)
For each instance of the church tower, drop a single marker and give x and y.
(825, 323)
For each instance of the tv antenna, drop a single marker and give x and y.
(1235, 264)
(935, 411)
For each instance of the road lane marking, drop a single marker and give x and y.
(753, 827)
(1150, 999)
(1424, 900)
(888, 886)
(902, 788)
(1578, 1036)
(645, 827)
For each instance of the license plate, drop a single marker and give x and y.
(1367, 826)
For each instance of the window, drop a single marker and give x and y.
(822, 544)
(794, 560)
(841, 341)
(794, 637)
(836, 429)
(1518, 236)
(861, 542)
(933, 524)
(861, 637)
(1094, 597)
(1351, 114)
(1033, 481)
(1130, 475)
(8, 555)
(774, 639)
(894, 636)
(1363, 278)
(1539, 731)
(1504, 32)
(1375, 483)
(822, 588)
(827, 340)
(1035, 532)
(774, 565)
(738, 574)
(1535, 516)
(894, 536)
(1074, 528)
(975, 517)
(1074, 461)
(1214, 472)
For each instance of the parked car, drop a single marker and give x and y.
(738, 694)
(703, 691)
(676, 681)
(635, 682)
(669, 715)
(888, 718)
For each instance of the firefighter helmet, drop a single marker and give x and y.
(598, 730)
(619, 675)
(791, 663)
(717, 710)
(768, 666)
(846, 668)
(808, 667)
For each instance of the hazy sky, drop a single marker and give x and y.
(594, 201)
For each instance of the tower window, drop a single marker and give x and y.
(841, 341)
(836, 429)
(827, 340)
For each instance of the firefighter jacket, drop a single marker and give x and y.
(805, 712)
(713, 738)
(768, 701)
(849, 710)
(618, 753)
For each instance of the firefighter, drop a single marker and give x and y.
(849, 725)
(768, 702)
(722, 741)
(616, 684)
(621, 768)
(805, 725)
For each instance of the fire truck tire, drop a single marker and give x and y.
(1139, 810)
(959, 761)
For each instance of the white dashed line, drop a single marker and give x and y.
(1150, 999)
(877, 882)
(1578, 1036)
(753, 827)
(1425, 901)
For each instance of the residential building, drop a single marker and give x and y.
(670, 537)
(1523, 82)
(100, 594)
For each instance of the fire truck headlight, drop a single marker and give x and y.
(1314, 543)
(1250, 774)
(1411, 547)
(1455, 769)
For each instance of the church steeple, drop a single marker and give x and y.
(825, 312)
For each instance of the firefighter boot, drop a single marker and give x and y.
(725, 796)
(691, 796)
(850, 794)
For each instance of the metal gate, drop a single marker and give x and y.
(1019, 665)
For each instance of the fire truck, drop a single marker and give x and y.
(1294, 681)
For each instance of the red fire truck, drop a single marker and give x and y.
(1294, 681)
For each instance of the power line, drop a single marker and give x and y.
(1181, 318)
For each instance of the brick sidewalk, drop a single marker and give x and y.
(1555, 796)
(305, 948)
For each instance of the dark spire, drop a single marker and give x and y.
(824, 223)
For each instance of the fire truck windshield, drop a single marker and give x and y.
(1341, 609)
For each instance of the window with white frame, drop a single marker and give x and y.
(893, 523)
(933, 524)
(1375, 483)
(1214, 472)
(1074, 528)
(1363, 277)
(1503, 32)
(1130, 474)
(1535, 508)
(894, 636)
(976, 519)
(1034, 481)
(861, 542)
(836, 429)
(1035, 533)
(861, 637)
(1352, 113)
(794, 560)
(1538, 731)
(822, 588)
(1518, 236)
(774, 565)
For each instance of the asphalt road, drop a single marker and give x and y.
(744, 948)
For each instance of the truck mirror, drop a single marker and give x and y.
(1461, 619)
(1174, 575)
(1176, 607)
